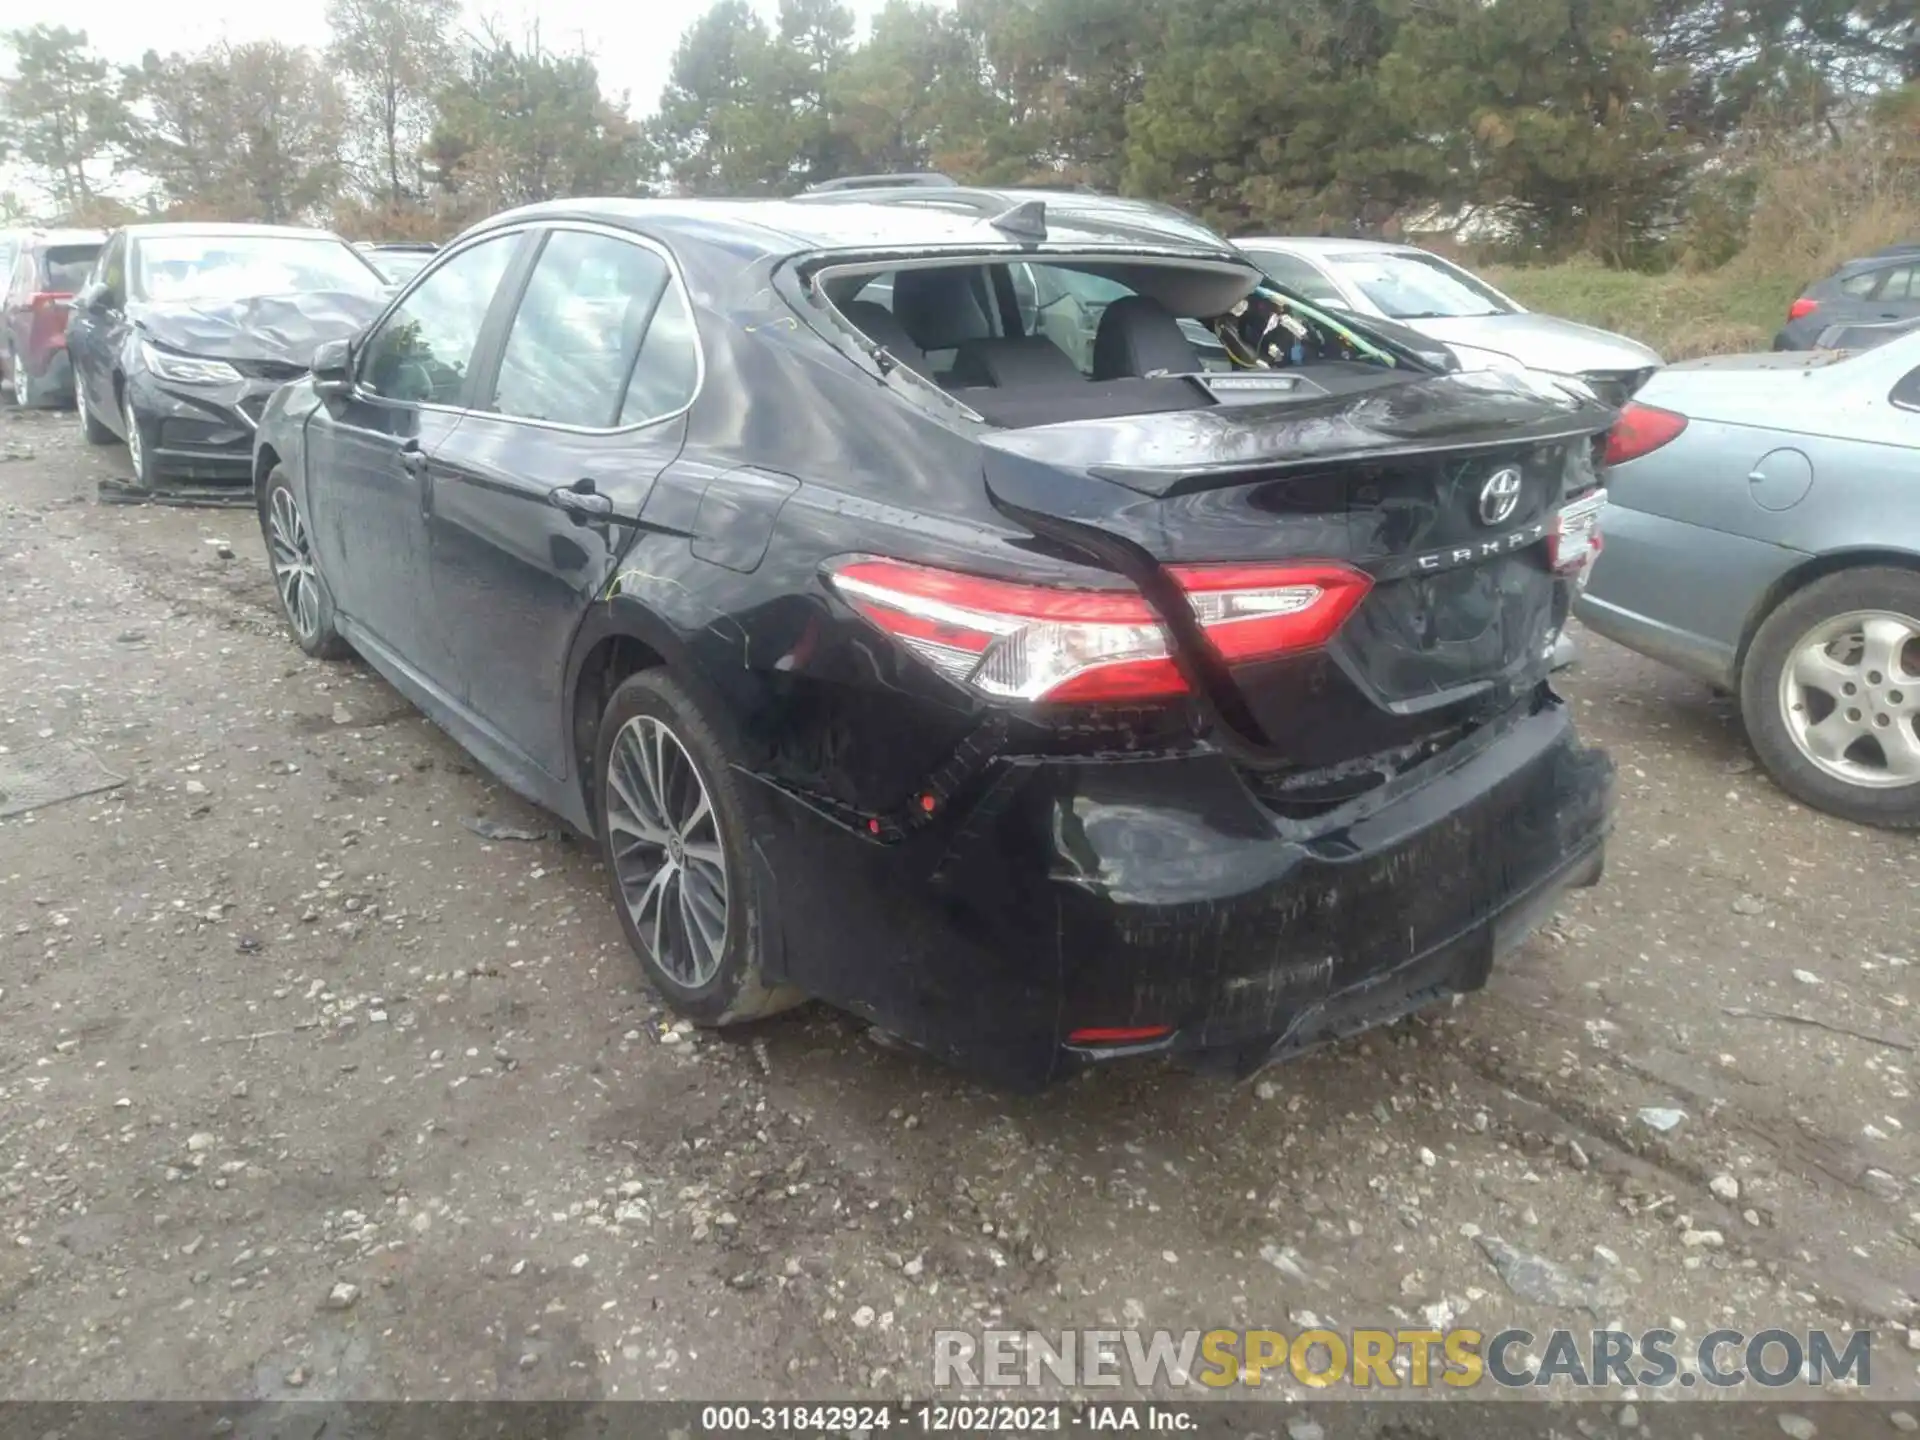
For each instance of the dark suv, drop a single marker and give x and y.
(36, 297)
(1041, 703)
(1881, 289)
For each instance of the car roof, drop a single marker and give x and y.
(217, 230)
(906, 217)
(1329, 245)
(65, 237)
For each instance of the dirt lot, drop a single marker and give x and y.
(307, 1089)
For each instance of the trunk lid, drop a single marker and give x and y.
(1413, 484)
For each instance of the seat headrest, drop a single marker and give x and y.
(883, 327)
(1008, 363)
(939, 308)
(1138, 336)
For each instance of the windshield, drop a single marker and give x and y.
(401, 265)
(1407, 286)
(232, 267)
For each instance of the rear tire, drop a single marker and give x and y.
(1830, 696)
(305, 599)
(673, 823)
(96, 433)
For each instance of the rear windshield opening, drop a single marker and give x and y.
(67, 267)
(1031, 342)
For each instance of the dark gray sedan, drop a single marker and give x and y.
(1764, 534)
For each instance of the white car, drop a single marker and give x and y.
(1487, 330)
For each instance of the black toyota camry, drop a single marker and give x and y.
(1025, 677)
(184, 330)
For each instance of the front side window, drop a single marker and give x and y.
(1901, 284)
(1412, 286)
(214, 267)
(422, 351)
(1290, 272)
(113, 269)
(573, 340)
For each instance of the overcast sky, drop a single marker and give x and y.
(631, 42)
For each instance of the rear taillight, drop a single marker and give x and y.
(1639, 430)
(1801, 308)
(1574, 543)
(1032, 642)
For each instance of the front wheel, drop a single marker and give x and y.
(20, 384)
(146, 473)
(96, 433)
(1831, 692)
(674, 832)
(304, 597)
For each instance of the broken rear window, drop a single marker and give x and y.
(1029, 342)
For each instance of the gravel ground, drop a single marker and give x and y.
(307, 1089)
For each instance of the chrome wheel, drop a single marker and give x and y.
(133, 443)
(664, 843)
(291, 556)
(1849, 695)
(22, 388)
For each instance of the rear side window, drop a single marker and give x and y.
(667, 370)
(1861, 287)
(66, 267)
(571, 348)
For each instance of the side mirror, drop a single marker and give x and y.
(95, 296)
(333, 368)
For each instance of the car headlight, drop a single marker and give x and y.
(1474, 358)
(186, 369)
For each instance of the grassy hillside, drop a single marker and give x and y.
(1735, 308)
(1812, 208)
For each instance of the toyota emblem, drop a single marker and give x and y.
(1500, 496)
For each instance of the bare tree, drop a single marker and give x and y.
(395, 55)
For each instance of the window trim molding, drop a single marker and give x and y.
(675, 280)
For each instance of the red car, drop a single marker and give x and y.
(49, 267)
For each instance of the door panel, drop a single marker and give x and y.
(94, 336)
(589, 392)
(370, 454)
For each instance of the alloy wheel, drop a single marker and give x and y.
(665, 847)
(22, 389)
(1850, 693)
(290, 554)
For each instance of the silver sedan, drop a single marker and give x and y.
(1764, 535)
(1428, 293)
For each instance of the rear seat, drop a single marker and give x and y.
(1015, 360)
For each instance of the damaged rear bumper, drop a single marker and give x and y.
(1157, 899)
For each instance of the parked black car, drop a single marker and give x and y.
(1873, 290)
(1038, 714)
(184, 330)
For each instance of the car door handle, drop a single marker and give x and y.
(584, 504)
